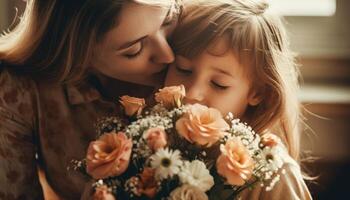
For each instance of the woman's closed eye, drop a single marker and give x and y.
(134, 50)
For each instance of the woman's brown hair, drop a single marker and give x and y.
(54, 39)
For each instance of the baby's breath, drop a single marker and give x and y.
(108, 124)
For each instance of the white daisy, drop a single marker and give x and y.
(166, 162)
(196, 174)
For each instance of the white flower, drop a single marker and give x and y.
(166, 162)
(187, 192)
(196, 174)
(274, 157)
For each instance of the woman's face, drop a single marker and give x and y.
(136, 50)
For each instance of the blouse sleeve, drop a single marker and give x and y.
(18, 168)
(291, 186)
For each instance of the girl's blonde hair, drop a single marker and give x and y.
(54, 39)
(259, 40)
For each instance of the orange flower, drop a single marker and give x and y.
(148, 184)
(235, 163)
(102, 193)
(155, 137)
(269, 140)
(202, 125)
(171, 96)
(132, 105)
(109, 155)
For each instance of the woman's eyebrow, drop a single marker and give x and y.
(128, 44)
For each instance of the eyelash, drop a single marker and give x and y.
(219, 86)
(131, 56)
(188, 72)
(184, 71)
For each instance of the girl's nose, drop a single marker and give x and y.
(194, 95)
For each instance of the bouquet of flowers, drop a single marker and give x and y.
(178, 152)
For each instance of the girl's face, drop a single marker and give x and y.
(215, 81)
(136, 50)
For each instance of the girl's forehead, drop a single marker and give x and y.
(220, 46)
(224, 45)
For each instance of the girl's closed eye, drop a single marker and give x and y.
(183, 70)
(219, 85)
(134, 50)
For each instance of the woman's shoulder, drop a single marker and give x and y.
(9, 78)
(17, 95)
(14, 86)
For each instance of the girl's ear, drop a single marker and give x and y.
(255, 97)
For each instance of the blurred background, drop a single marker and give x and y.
(320, 35)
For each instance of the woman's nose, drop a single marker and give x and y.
(163, 54)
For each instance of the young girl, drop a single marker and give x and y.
(234, 55)
(63, 67)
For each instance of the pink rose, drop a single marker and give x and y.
(102, 193)
(109, 155)
(171, 96)
(132, 105)
(235, 163)
(269, 140)
(202, 125)
(156, 138)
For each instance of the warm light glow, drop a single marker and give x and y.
(304, 7)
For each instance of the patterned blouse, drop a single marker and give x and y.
(49, 125)
(45, 125)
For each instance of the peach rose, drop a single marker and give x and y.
(235, 163)
(132, 105)
(202, 125)
(156, 138)
(188, 192)
(102, 193)
(269, 140)
(171, 96)
(109, 155)
(148, 184)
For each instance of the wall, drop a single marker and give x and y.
(322, 36)
(3, 14)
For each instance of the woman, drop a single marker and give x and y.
(63, 68)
